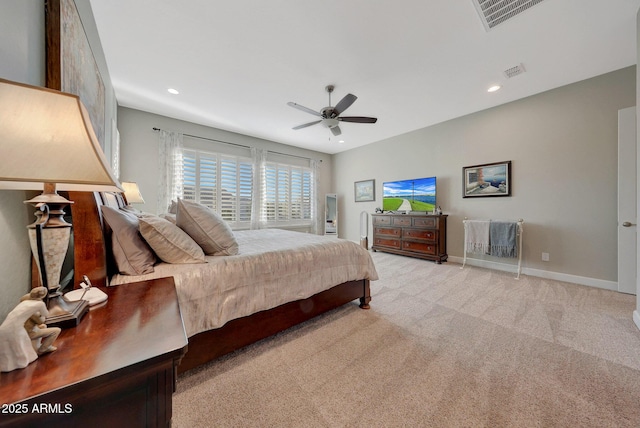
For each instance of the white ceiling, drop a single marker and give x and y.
(412, 63)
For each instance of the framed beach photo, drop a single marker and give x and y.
(365, 191)
(486, 180)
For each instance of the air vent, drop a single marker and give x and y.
(514, 71)
(495, 12)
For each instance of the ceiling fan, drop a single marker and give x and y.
(330, 116)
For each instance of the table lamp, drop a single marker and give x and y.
(132, 192)
(48, 143)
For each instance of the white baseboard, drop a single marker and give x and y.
(574, 279)
(636, 318)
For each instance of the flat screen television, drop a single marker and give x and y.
(409, 195)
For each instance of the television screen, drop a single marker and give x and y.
(409, 195)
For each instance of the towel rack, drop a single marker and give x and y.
(519, 234)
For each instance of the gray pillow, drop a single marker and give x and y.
(207, 228)
(170, 242)
(132, 254)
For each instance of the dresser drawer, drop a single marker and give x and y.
(419, 247)
(387, 242)
(424, 221)
(427, 235)
(402, 221)
(381, 220)
(387, 231)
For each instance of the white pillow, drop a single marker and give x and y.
(207, 228)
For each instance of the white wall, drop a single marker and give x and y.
(139, 150)
(563, 145)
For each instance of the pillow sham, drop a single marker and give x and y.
(170, 242)
(132, 254)
(207, 228)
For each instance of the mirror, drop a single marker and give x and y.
(331, 214)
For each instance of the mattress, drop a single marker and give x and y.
(272, 267)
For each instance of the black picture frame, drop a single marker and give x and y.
(487, 180)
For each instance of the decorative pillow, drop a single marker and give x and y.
(207, 228)
(169, 216)
(170, 242)
(132, 254)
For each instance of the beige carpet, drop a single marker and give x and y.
(440, 347)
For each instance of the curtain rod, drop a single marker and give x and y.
(238, 145)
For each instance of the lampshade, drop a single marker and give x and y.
(47, 137)
(132, 192)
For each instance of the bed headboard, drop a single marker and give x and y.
(92, 254)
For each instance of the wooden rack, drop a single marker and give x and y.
(519, 233)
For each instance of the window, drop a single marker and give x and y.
(221, 182)
(225, 184)
(288, 194)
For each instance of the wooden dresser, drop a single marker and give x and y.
(117, 368)
(415, 235)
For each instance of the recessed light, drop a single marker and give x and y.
(494, 88)
(173, 91)
(341, 141)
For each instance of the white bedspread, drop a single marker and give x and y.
(273, 267)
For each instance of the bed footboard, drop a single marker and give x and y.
(235, 334)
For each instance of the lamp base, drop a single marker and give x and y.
(65, 314)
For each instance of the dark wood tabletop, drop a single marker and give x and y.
(139, 322)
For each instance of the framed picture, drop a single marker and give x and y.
(71, 65)
(365, 191)
(492, 179)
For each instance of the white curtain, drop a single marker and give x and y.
(259, 158)
(318, 218)
(170, 166)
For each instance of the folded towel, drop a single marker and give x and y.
(502, 237)
(477, 236)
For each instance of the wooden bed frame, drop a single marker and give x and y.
(92, 258)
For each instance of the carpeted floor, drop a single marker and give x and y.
(440, 347)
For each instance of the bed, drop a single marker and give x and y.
(280, 279)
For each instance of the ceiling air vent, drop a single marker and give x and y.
(514, 71)
(495, 12)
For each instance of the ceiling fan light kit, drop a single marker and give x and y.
(330, 116)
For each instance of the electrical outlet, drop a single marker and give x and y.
(545, 257)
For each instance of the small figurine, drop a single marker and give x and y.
(17, 350)
(42, 337)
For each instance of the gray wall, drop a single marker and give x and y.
(22, 59)
(563, 145)
(139, 150)
(636, 314)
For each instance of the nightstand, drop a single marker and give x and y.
(116, 368)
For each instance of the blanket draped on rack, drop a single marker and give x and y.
(502, 238)
(478, 236)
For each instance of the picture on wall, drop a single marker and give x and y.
(365, 191)
(493, 179)
(71, 66)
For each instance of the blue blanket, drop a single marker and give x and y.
(502, 239)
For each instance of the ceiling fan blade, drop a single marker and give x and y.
(344, 104)
(303, 108)
(358, 119)
(336, 130)
(306, 124)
